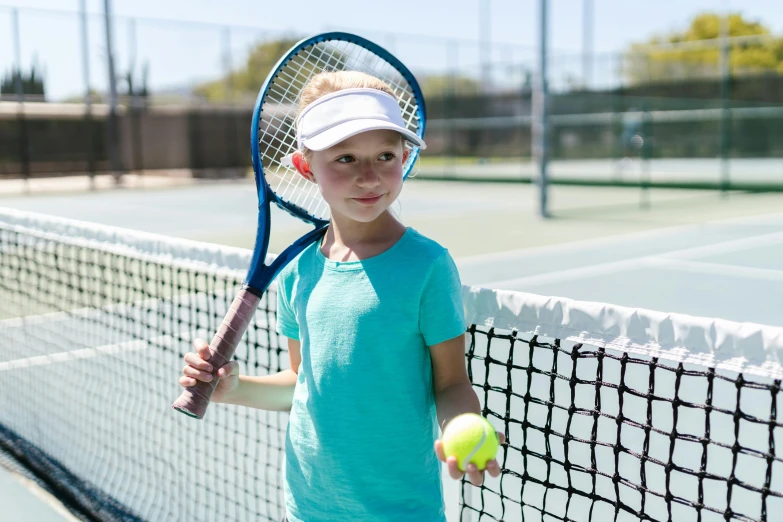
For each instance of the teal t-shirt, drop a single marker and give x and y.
(360, 436)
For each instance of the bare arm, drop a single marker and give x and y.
(454, 394)
(265, 392)
(268, 392)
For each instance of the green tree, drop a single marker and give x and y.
(246, 81)
(32, 84)
(441, 85)
(670, 58)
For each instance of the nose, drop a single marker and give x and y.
(368, 176)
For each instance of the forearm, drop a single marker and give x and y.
(455, 400)
(266, 392)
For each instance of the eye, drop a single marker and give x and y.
(386, 156)
(345, 159)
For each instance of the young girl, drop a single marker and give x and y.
(374, 320)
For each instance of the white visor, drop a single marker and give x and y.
(340, 115)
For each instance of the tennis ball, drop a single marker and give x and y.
(470, 438)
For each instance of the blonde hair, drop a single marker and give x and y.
(326, 83)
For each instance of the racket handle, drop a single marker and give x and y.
(195, 399)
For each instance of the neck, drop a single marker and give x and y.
(350, 233)
(348, 239)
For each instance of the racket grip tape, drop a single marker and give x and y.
(195, 399)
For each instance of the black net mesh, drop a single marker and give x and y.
(95, 322)
(93, 344)
(597, 434)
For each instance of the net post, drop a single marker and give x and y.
(540, 113)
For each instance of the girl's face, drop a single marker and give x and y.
(360, 177)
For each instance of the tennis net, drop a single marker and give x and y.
(610, 413)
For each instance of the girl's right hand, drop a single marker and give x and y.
(198, 368)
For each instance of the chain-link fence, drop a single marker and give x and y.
(185, 93)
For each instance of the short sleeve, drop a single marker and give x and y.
(441, 314)
(287, 324)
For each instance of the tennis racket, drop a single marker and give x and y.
(273, 138)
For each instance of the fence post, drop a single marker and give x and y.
(646, 152)
(540, 114)
(24, 142)
(135, 105)
(113, 129)
(587, 43)
(232, 158)
(90, 139)
(725, 94)
(450, 106)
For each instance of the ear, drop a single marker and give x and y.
(302, 167)
(406, 152)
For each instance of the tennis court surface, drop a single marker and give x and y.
(611, 412)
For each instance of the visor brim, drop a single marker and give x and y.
(339, 133)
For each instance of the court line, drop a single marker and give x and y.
(572, 246)
(86, 353)
(50, 317)
(635, 263)
(701, 267)
(726, 247)
(148, 306)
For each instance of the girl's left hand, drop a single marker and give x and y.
(475, 475)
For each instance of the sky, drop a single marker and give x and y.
(427, 35)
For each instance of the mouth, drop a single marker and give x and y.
(370, 199)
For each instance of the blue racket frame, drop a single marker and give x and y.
(260, 275)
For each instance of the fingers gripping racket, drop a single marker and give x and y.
(273, 138)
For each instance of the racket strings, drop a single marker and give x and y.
(324, 58)
(277, 134)
(290, 186)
